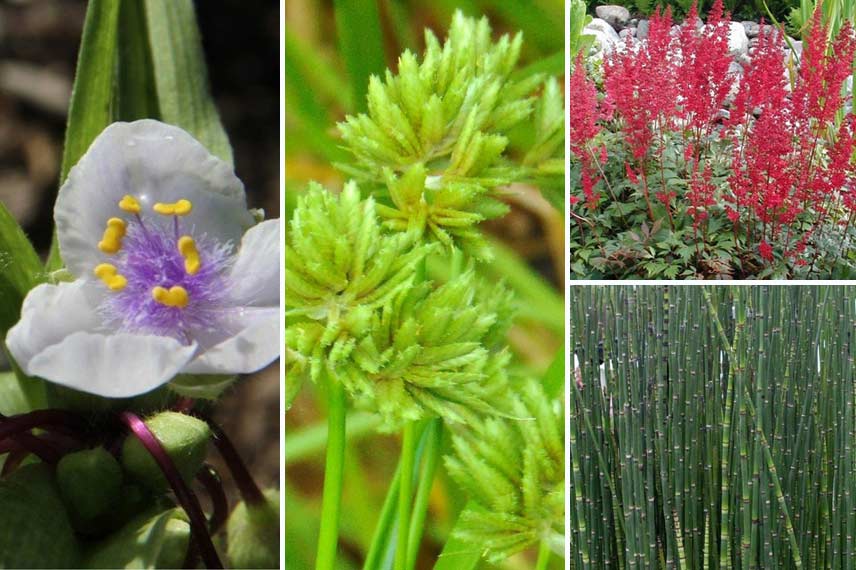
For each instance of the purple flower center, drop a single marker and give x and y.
(149, 259)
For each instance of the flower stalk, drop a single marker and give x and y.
(334, 467)
(185, 496)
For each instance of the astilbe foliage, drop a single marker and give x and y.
(512, 467)
(447, 116)
(774, 171)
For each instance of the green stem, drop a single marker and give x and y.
(305, 443)
(328, 534)
(543, 556)
(384, 525)
(434, 436)
(405, 493)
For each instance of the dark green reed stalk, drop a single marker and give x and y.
(713, 427)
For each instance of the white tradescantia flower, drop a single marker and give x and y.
(152, 226)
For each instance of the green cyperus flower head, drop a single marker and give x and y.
(513, 470)
(430, 352)
(441, 124)
(449, 111)
(340, 265)
(447, 213)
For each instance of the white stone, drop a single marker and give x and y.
(604, 36)
(738, 41)
(616, 16)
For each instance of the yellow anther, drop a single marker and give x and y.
(180, 208)
(175, 296)
(106, 272)
(111, 241)
(187, 248)
(129, 204)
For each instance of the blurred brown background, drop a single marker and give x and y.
(39, 40)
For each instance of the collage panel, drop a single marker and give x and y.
(139, 284)
(712, 140)
(712, 427)
(424, 278)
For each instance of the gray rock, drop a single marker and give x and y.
(627, 32)
(616, 16)
(738, 41)
(605, 37)
(642, 29)
(752, 29)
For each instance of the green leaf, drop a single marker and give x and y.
(457, 554)
(180, 74)
(13, 400)
(135, 96)
(201, 386)
(90, 109)
(20, 269)
(361, 44)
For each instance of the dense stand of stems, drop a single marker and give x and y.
(713, 427)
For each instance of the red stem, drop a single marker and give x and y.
(186, 497)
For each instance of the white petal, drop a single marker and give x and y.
(60, 338)
(49, 314)
(255, 274)
(254, 347)
(112, 365)
(154, 162)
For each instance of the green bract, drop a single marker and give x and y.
(427, 353)
(361, 311)
(339, 267)
(513, 470)
(441, 124)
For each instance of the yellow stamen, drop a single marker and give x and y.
(180, 208)
(106, 272)
(187, 248)
(129, 204)
(111, 241)
(175, 296)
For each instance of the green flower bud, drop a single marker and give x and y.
(156, 538)
(253, 534)
(185, 440)
(35, 531)
(89, 482)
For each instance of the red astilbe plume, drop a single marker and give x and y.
(763, 175)
(823, 71)
(583, 109)
(701, 195)
(837, 173)
(584, 116)
(763, 86)
(703, 71)
(641, 84)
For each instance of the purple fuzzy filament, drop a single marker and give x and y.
(185, 496)
(150, 258)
